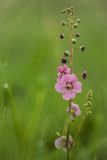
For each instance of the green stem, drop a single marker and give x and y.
(68, 142)
(71, 64)
(68, 130)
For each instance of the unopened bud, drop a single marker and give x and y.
(89, 104)
(77, 34)
(71, 8)
(84, 74)
(62, 36)
(78, 20)
(71, 22)
(66, 53)
(85, 105)
(74, 41)
(68, 10)
(82, 48)
(63, 60)
(63, 23)
(89, 113)
(63, 11)
(75, 25)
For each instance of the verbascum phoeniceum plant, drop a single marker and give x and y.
(69, 85)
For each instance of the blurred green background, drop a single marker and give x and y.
(30, 51)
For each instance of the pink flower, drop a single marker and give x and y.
(74, 110)
(63, 70)
(60, 143)
(69, 86)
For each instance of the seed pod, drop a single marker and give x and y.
(84, 74)
(68, 10)
(72, 8)
(63, 60)
(63, 11)
(74, 41)
(71, 22)
(89, 104)
(89, 113)
(66, 53)
(82, 48)
(85, 105)
(77, 34)
(78, 20)
(62, 36)
(63, 23)
(75, 25)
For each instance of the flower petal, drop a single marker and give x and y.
(76, 108)
(60, 69)
(73, 78)
(60, 87)
(77, 86)
(66, 78)
(78, 112)
(67, 95)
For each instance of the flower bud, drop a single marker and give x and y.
(89, 104)
(77, 34)
(66, 53)
(62, 36)
(84, 74)
(68, 10)
(75, 25)
(82, 48)
(63, 23)
(63, 60)
(63, 11)
(72, 8)
(74, 41)
(89, 113)
(85, 105)
(78, 20)
(60, 143)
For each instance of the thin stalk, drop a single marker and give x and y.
(71, 64)
(68, 132)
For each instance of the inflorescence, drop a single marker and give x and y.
(67, 81)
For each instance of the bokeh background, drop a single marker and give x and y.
(30, 51)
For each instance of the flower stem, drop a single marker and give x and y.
(68, 130)
(71, 64)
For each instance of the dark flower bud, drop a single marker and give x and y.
(68, 10)
(74, 41)
(75, 25)
(62, 36)
(66, 53)
(89, 104)
(78, 20)
(63, 11)
(89, 113)
(71, 22)
(63, 23)
(85, 105)
(63, 60)
(82, 48)
(71, 8)
(77, 34)
(84, 74)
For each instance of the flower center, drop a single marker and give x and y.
(69, 86)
